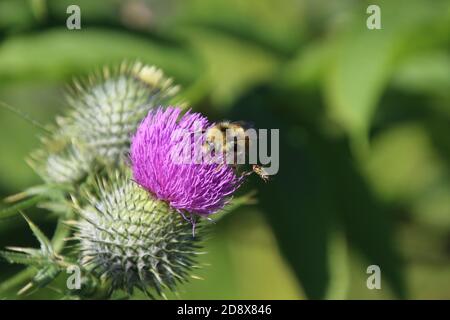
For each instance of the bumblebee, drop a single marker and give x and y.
(227, 136)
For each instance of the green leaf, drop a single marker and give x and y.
(20, 258)
(339, 284)
(308, 67)
(16, 208)
(425, 72)
(253, 20)
(396, 155)
(29, 251)
(364, 60)
(15, 15)
(232, 66)
(366, 222)
(63, 54)
(52, 191)
(46, 246)
(39, 8)
(320, 206)
(357, 77)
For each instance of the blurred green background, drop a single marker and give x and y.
(364, 119)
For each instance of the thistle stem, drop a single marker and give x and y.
(16, 280)
(61, 233)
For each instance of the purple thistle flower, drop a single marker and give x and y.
(198, 187)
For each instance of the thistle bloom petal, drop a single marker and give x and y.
(195, 187)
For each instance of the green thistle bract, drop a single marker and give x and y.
(132, 239)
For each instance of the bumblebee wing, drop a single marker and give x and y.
(244, 124)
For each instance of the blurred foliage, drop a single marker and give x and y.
(364, 119)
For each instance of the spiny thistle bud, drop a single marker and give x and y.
(61, 161)
(105, 112)
(132, 239)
